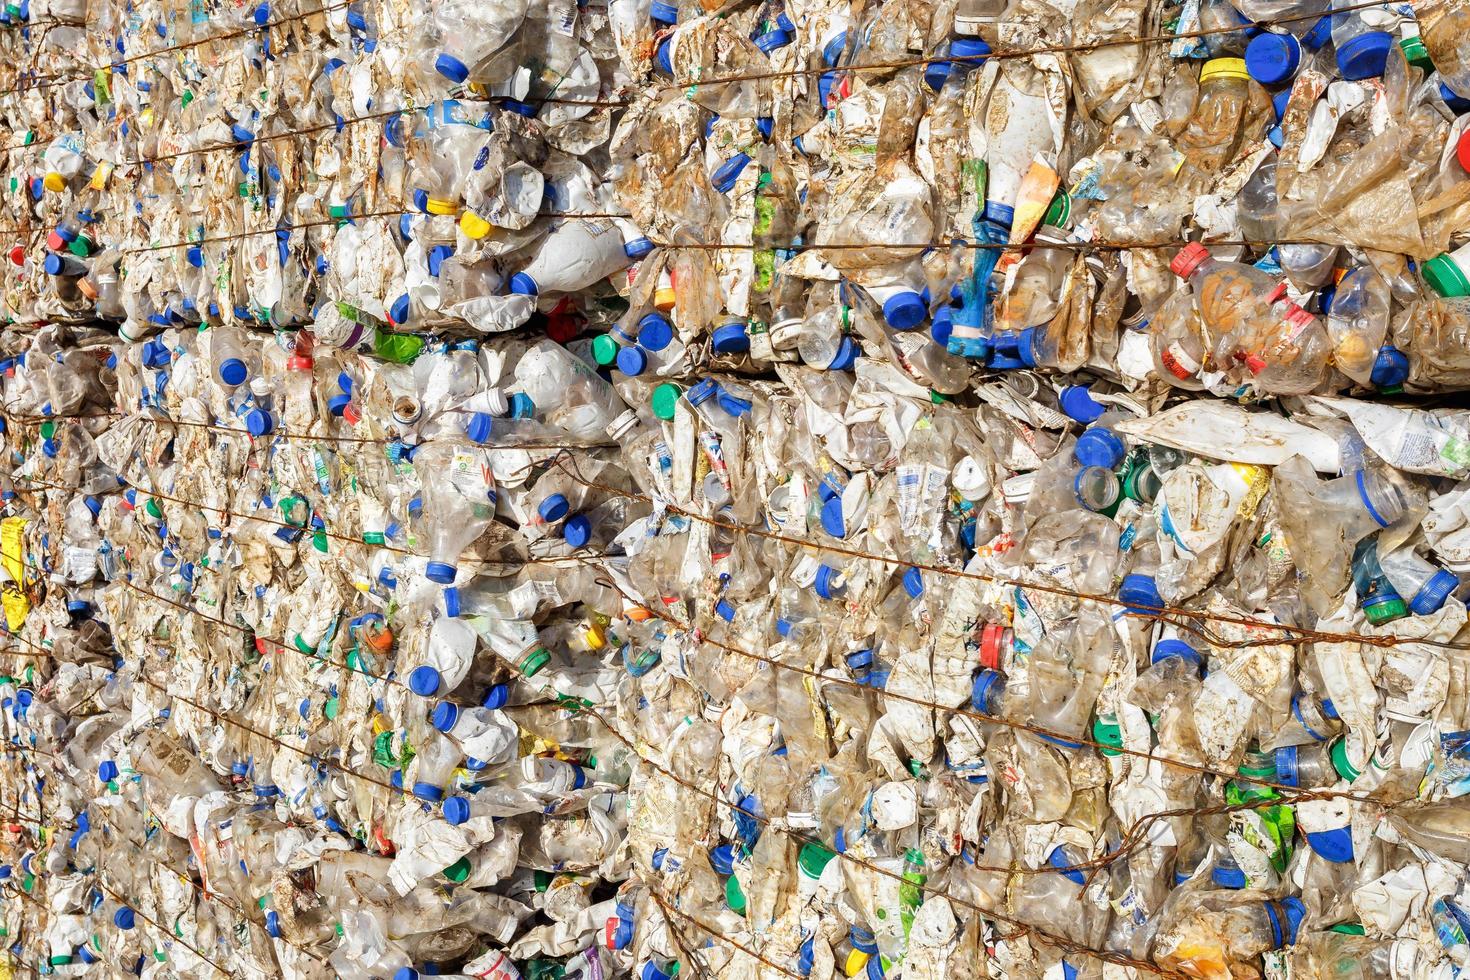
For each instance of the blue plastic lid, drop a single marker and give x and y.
(436, 258)
(1140, 594)
(655, 332)
(258, 422)
(479, 427)
(859, 659)
(847, 355)
(663, 58)
(1272, 58)
(272, 924)
(913, 583)
(832, 521)
(766, 125)
(1000, 214)
(772, 41)
(440, 571)
(523, 285)
(553, 508)
(1059, 859)
(702, 392)
(1458, 105)
(936, 73)
(497, 697)
(664, 12)
(833, 50)
(725, 611)
(1098, 446)
(905, 310)
(730, 339)
(1364, 56)
(637, 248)
(444, 715)
(577, 530)
(1228, 877)
(1026, 346)
(942, 325)
(456, 810)
(53, 264)
(1434, 593)
(521, 406)
(1176, 649)
(1333, 845)
(232, 371)
(829, 583)
(107, 770)
(451, 68)
(424, 681)
(1286, 765)
(399, 311)
(124, 918)
(1390, 367)
(428, 792)
(93, 504)
(632, 361)
(862, 940)
(825, 81)
(984, 690)
(406, 973)
(1319, 35)
(1079, 405)
(728, 173)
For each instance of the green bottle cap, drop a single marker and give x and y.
(48, 429)
(59, 960)
(812, 860)
(734, 897)
(1107, 732)
(319, 541)
(1445, 278)
(1416, 54)
(1060, 210)
(532, 662)
(935, 398)
(330, 708)
(1349, 928)
(604, 349)
(543, 880)
(373, 537)
(458, 871)
(80, 246)
(1338, 752)
(300, 643)
(1386, 610)
(665, 398)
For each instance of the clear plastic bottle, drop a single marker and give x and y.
(1214, 130)
(1357, 321)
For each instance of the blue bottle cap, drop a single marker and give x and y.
(451, 68)
(824, 87)
(337, 404)
(1271, 59)
(124, 918)
(497, 697)
(766, 125)
(735, 405)
(441, 572)
(984, 689)
(725, 611)
(936, 73)
(862, 940)
(521, 406)
(232, 371)
(1098, 446)
(1364, 56)
(396, 779)
(262, 15)
(444, 715)
(93, 504)
(241, 134)
(1284, 932)
(1026, 346)
(913, 583)
(1434, 593)
(663, 12)
(832, 521)
(195, 256)
(662, 58)
(479, 427)
(400, 310)
(728, 173)
(272, 924)
(829, 583)
(428, 792)
(1078, 403)
(731, 339)
(637, 248)
(1140, 594)
(523, 285)
(942, 325)
(577, 530)
(632, 361)
(655, 332)
(702, 392)
(1228, 877)
(772, 41)
(1319, 35)
(436, 258)
(1176, 649)
(905, 310)
(53, 264)
(847, 355)
(456, 810)
(969, 49)
(553, 508)
(1458, 105)
(833, 51)
(1390, 367)
(356, 21)
(1059, 859)
(451, 602)
(107, 770)
(1000, 214)
(1286, 759)
(424, 681)
(859, 659)
(721, 858)
(258, 422)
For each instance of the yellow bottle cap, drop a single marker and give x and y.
(857, 962)
(473, 225)
(595, 638)
(1224, 68)
(54, 182)
(663, 299)
(436, 206)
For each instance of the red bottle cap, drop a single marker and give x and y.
(1462, 150)
(18, 254)
(1188, 259)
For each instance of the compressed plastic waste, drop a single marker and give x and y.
(656, 489)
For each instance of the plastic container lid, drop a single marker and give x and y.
(1445, 277)
(1364, 56)
(1456, 103)
(984, 689)
(663, 57)
(1415, 53)
(232, 371)
(702, 392)
(424, 681)
(813, 859)
(532, 662)
(664, 12)
(451, 68)
(1390, 367)
(664, 400)
(1140, 594)
(523, 285)
(258, 422)
(456, 810)
(577, 530)
(632, 361)
(728, 173)
(124, 918)
(1177, 649)
(832, 521)
(829, 583)
(847, 355)
(905, 310)
(734, 897)
(1079, 405)
(1320, 34)
(1187, 259)
(913, 583)
(1098, 446)
(479, 427)
(521, 406)
(1338, 753)
(1434, 592)
(772, 40)
(605, 349)
(1272, 58)
(731, 339)
(553, 508)
(444, 715)
(440, 571)
(655, 332)
(1228, 877)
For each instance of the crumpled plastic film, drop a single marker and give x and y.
(925, 489)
